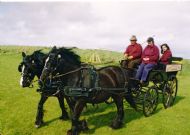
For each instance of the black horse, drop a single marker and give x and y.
(31, 66)
(66, 64)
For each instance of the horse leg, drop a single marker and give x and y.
(118, 121)
(70, 103)
(64, 115)
(131, 101)
(39, 117)
(77, 125)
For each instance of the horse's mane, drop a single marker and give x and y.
(38, 52)
(69, 55)
(39, 55)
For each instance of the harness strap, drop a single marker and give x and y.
(125, 79)
(81, 82)
(92, 73)
(93, 77)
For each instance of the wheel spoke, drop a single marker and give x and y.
(150, 101)
(169, 92)
(168, 99)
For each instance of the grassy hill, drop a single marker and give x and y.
(105, 56)
(18, 106)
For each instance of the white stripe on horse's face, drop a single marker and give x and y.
(46, 61)
(21, 79)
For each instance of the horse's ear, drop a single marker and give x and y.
(23, 54)
(54, 48)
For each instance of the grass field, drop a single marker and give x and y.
(18, 106)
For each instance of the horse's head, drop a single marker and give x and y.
(51, 64)
(59, 60)
(26, 68)
(29, 67)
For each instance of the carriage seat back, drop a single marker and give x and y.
(175, 60)
(174, 65)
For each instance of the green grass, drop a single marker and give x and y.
(18, 107)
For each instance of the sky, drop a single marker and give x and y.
(96, 25)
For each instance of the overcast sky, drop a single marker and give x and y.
(102, 25)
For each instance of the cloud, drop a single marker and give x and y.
(106, 25)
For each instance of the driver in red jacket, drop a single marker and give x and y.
(132, 54)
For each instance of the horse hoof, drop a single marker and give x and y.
(116, 125)
(70, 132)
(38, 124)
(65, 117)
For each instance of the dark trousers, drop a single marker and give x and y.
(143, 71)
(130, 63)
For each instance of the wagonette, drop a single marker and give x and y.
(62, 74)
(85, 84)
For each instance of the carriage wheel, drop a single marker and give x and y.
(150, 101)
(170, 91)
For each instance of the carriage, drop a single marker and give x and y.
(162, 81)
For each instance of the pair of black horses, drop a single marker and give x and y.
(67, 64)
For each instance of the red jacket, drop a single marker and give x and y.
(165, 57)
(151, 52)
(134, 50)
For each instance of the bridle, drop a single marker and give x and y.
(27, 75)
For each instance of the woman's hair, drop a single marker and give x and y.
(168, 48)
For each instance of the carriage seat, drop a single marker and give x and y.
(174, 65)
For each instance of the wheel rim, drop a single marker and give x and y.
(150, 101)
(170, 92)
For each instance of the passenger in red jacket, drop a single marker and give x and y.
(150, 57)
(132, 54)
(166, 54)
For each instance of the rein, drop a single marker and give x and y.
(70, 72)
